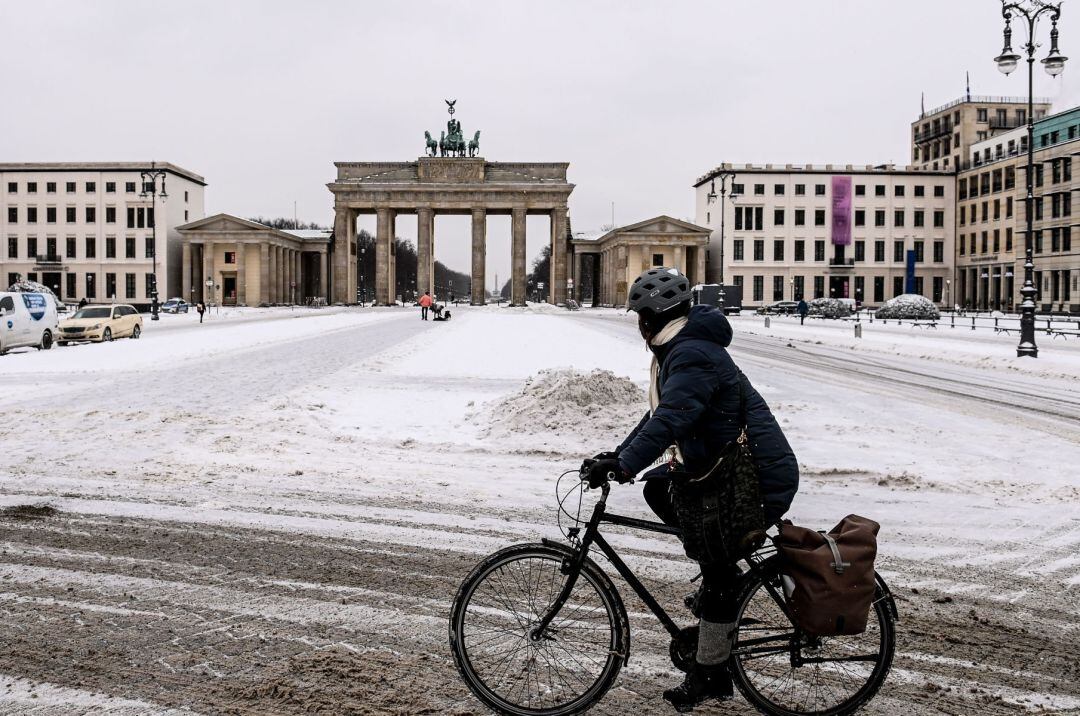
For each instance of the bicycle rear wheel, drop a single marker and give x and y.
(491, 623)
(784, 672)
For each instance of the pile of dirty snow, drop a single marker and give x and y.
(565, 410)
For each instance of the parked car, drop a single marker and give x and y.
(101, 323)
(27, 319)
(175, 305)
(780, 308)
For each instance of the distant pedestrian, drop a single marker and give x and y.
(802, 309)
(82, 303)
(201, 308)
(425, 305)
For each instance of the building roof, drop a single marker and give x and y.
(100, 167)
(311, 234)
(664, 225)
(306, 235)
(816, 169)
(980, 99)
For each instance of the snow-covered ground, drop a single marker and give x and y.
(270, 512)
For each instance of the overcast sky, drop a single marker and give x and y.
(261, 97)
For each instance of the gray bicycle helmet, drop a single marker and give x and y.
(657, 290)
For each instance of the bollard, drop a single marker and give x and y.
(995, 322)
(858, 330)
(766, 321)
(952, 321)
(973, 323)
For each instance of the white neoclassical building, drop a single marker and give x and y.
(86, 231)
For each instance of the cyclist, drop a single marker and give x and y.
(694, 407)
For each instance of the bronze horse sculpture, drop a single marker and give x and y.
(474, 144)
(432, 147)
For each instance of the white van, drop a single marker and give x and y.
(27, 319)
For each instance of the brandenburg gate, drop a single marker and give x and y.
(447, 181)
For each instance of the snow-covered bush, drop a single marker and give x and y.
(829, 308)
(910, 306)
(25, 286)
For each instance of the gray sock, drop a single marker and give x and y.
(714, 642)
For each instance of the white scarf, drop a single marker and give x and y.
(666, 334)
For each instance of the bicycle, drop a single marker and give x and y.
(540, 630)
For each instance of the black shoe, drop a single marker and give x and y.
(693, 603)
(702, 683)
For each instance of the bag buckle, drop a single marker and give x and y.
(838, 564)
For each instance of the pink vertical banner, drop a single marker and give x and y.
(841, 210)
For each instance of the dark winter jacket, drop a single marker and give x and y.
(699, 408)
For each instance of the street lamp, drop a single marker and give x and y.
(1030, 10)
(149, 188)
(723, 176)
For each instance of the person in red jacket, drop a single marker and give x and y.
(425, 304)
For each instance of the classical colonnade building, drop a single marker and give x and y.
(430, 186)
(250, 263)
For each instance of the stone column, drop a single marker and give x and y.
(425, 276)
(185, 279)
(208, 272)
(298, 292)
(558, 256)
(699, 256)
(241, 274)
(342, 256)
(384, 280)
(518, 270)
(479, 256)
(273, 274)
(579, 270)
(290, 276)
(322, 273)
(264, 273)
(680, 259)
(283, 294)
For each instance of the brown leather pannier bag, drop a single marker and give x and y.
(831, 587)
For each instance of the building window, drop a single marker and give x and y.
(960, 244)
(800, 250)
(31, 247)
(1009, 239)
(50, 215)
(898, 190)
(936, 298)
(31, 214)
(91, 247)
(13, 188)
(981, 114)
(759, 190)
(148, 247)
(185, 196)
(759, 249)
(149, 283)
(13, 214)
(759, 288)
(919, 218)
(860, 251)
(50, 248)
(70, 247)
(800, 190)
(860, 217)
(879, 289)
(879, 217)
(69, 215)
(879, 190)
(819, 190)
(129, 247)
(110, 187)
(131, 217)
(230, 258)
(778, 250)
(739, 250)
(879, 251)
(819, 250)
(898, 217)
(13, 248)
(69, 187)
(91, 214)
(898, 251)
(31, 187)
(735, 189)
(91, 187)
(70, 284)
(819, 217)
(920, 190)
(939, 190)
(939, 252)
(50, 187)
(800, 217)
(897, 286)
(939, 218)
(919, 252)
(110, 285)
(749, 218)
(129, 187)
(129, 285)
(110, 214)
(778, 189)
(778, 217)
(819, 286)
(110, 247)
(778, 288)
(984, 246)
(860, 190)
(91, 286)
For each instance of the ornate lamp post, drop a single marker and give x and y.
(723, 176)
(1030, 10)
(149, 188)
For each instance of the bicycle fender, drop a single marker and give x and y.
(590, 564)
(889, 601)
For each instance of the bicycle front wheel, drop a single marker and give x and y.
(785, 672)
(491, 623)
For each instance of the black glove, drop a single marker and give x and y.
(608, 455)
(598, 472)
